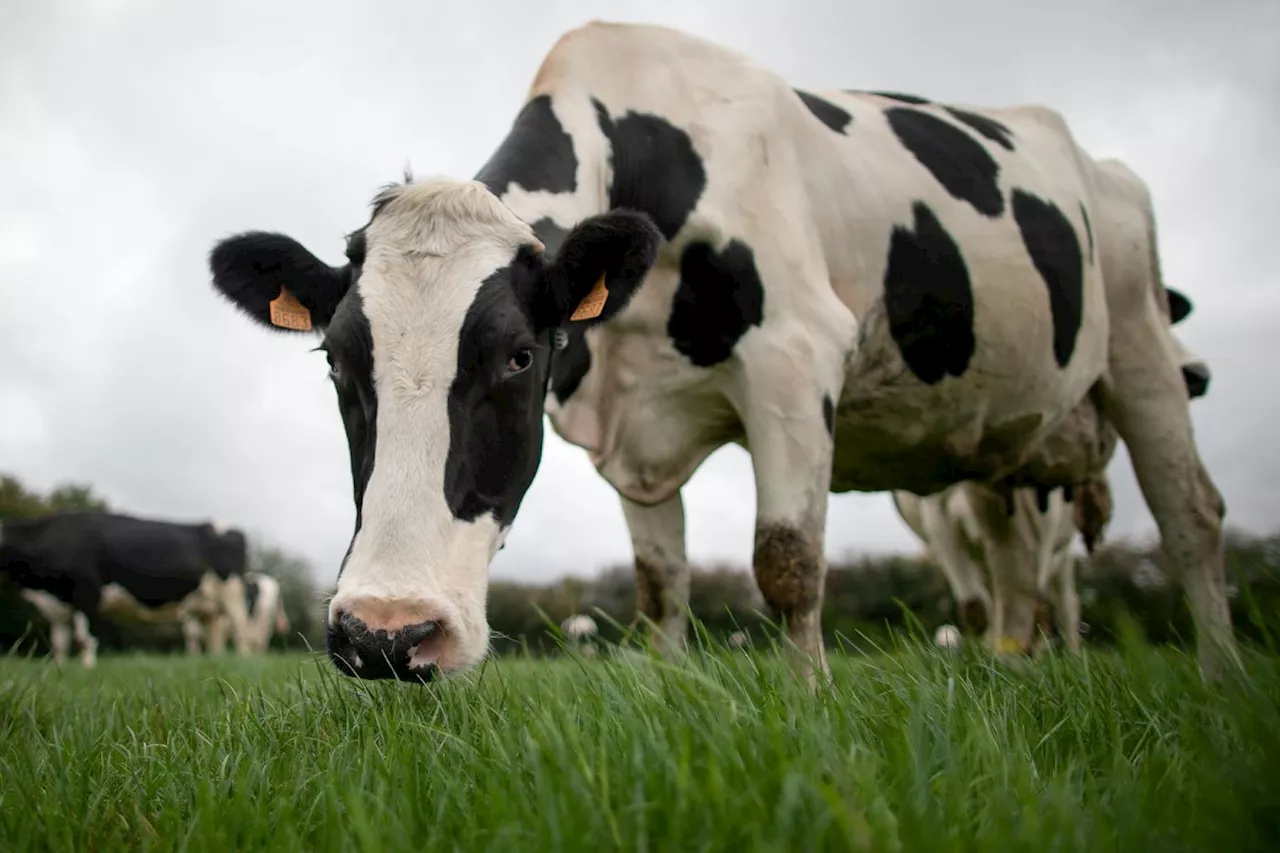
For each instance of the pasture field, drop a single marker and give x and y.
(913, 750)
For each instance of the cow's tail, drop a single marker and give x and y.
(1092, 508)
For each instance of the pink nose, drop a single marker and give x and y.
(381, 638)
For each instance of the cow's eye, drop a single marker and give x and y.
(520, 361)
(334, 372)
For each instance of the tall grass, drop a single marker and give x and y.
(909, 751)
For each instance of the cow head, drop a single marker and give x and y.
(1195, 370)
(438, 335)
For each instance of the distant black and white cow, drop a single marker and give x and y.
(265, 618)
(978, 533)
(868, 291)
(78, 568)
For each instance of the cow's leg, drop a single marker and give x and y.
(1067, 599)
(233, 605)
(85, 639)
(215, 632)
(58, 614)
(791, 452)
(1011, 561)
(1148, 404)
(973, 601)
(192, 632)
(662, 571)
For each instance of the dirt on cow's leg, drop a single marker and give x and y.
(662, 571)
(791, 571)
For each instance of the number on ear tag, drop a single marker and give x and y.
(288, 313)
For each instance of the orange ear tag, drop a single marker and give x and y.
(288, 313)
(593, 303)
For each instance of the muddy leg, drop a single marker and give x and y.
(662, 571)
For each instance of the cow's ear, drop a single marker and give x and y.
(599, 267)
(1179, 305)
(276, 281)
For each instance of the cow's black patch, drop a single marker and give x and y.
(826, 112)
(829, 414)
(720, 296)
(655, 168)
(953, 157)
(928, 299)
(896, 96)
(994, 130)
(495, 422)
(1088, 230)
(1055, 251)
(537, 154)
(252, 591)
(348, 346)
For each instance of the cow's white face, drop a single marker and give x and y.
(437, 336)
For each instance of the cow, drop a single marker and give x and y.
(264, 613)
(78, 568)
(1039, 527)
(673, 249)
(958, 541)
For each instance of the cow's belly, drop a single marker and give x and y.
(118, 603)
(896, 431)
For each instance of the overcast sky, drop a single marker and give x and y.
(133, 134)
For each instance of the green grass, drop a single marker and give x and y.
(916, 750)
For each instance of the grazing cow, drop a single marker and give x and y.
(78, 568)
(1040, 526)
(959, 543)
(265, 618)
(674, 249)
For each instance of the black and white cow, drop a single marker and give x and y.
(978, 532)
(78, 568)
(265, 617)
(868, 291)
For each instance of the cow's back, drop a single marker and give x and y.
(942, 255)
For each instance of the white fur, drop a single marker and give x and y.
(429, 249)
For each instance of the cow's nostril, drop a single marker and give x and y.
(410, 652)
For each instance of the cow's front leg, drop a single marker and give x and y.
(791, 448)
(662, 570)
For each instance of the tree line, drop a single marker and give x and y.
(869, 599)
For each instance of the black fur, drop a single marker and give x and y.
(1055, 251)
(996, 131)
(834, 117)
(928, 299)
(537, 154)
(249, 269)
(720, 296)
(953, 157)
(655, 168)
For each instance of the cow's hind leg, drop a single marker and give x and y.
(85, 639)
(973, 601)
(1011, 562)
(662, 570)
(1148, 404)
(1066, 600)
